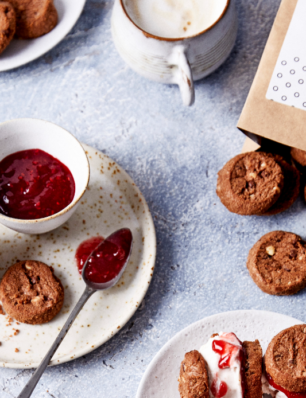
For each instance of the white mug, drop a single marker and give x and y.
(175, 60)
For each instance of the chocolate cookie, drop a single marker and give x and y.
(285, 359)
(250, 183)
(193, 380)
(34, 18)
(291, 188)
(299, 156)
(277, 263)
(253, 369)
(31, 293)
(7, 24)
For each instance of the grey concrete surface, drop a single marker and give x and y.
(173, 154)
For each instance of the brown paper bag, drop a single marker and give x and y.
(262, 117)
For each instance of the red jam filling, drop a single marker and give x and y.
(228, 351)
(34, 184)
(218, 389)
(289, 394)
(108, 259)
(85, 249)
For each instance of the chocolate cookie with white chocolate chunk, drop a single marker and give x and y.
(250, 183)
(277, 263)
(31, 293)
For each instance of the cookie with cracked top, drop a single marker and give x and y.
(31, 293)
(7, 24)
(193, 380)
(250, 183)
(291, 189)
(277, 263)
(285, 359)
(299, 156)
(34, 18)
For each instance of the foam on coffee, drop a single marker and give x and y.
(174, 18)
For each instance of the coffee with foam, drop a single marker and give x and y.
(174, 18)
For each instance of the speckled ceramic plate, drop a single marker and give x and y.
(112, 201)
(160, 379)
(20, 52)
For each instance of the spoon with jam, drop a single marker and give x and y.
(102, 270)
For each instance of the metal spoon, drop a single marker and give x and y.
(90, 289)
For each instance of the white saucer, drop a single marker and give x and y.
(160, 378)
(20, 52)
(112, 201)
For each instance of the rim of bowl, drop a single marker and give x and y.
(75, 200)
(147, 34)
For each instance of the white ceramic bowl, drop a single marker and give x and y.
(21, 134)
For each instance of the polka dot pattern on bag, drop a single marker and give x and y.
(289, 83)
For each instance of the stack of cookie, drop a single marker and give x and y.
(25, 19)
(258, 183)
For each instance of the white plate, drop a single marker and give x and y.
(20, 52)
(112, 201)
(160, 378)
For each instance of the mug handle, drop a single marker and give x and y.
(182, 74)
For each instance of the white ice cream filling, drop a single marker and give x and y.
(231, 375)
(268, 389)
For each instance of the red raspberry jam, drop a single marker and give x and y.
(289, 394)
(218, 389)
(229, 349)
(108, 259)
(34, 184)
(85, 249)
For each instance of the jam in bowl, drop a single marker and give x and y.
(34, 184)
(44, 172)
